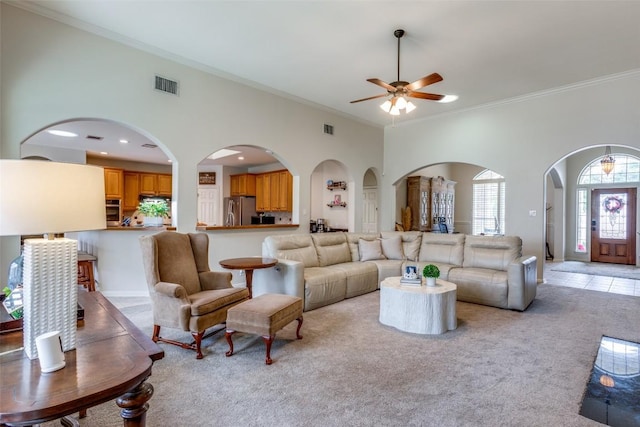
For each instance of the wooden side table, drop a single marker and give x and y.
(248, 264)
(112, 360)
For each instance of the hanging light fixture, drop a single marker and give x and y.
(394, 105)
(607, 161)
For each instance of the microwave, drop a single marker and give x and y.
(113, 209)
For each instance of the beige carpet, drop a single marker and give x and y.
(498, 368)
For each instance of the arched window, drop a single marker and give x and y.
(488, 203)
(626, 169)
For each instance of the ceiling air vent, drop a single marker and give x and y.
(94, 137)
(149, 146)
(166, 85)
(328, 129)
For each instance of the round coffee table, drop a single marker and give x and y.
(418, 309)
(248, 264)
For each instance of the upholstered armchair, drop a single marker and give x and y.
(184, 293)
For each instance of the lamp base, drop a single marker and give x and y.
(50, 282)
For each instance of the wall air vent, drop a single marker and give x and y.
(166, 85)
(149, 146)
(94, 137)
(328, 129)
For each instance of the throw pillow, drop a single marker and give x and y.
(370, 249)
(392, 247)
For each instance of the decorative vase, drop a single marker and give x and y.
(153, 221)
(431, 281)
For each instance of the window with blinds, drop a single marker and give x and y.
(488, 203)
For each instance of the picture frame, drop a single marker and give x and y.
(443, 227)
(207, 178)
(337, 199)
(410, 272)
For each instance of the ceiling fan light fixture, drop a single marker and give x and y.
(386, 106)
(395, 111)
(410, 107)
(401, 103)
(448, 98)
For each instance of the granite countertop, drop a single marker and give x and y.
(246, 227)
(134, 228)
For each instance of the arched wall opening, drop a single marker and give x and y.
(561, 220)
(255, 173)
(331, 197)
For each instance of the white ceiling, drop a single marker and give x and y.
(322, 52)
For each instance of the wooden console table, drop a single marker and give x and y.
(112, 360)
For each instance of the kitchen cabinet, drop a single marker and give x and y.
(113, 183)
(274, 192)
(431, 201)
(164, 185)
(131, 191)
(263, 189)
(148, 184)
(153, 184)
(243, 185)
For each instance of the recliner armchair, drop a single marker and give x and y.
(184, 293)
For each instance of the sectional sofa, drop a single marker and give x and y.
(325, 268)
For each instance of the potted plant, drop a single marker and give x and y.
(154, 212)
(431, 273)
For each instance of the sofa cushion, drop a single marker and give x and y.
(442, 248)
(481, 286)
(392, 247)
(332, 248)
(494, 252)
(353, 240)
(387, 268)
(362, 277)
(294, 247)
(323, 286)
(410, 242)
(370, 250)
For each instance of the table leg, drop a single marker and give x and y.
(134, 405)
(248, 274)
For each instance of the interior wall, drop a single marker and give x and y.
(209, 114)
(519, 139)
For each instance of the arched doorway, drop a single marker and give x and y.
(250, 176)
(571, 186)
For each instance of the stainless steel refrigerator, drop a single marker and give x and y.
(239, 210)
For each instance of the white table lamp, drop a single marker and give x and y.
(41, 197)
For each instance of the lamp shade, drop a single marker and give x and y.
(38, 197)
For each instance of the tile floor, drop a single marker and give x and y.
(616, 285)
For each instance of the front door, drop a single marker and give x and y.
(613, 225)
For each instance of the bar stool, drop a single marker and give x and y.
(85, 270)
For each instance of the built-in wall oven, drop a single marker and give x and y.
(114, 212)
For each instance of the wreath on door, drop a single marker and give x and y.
(613, 205)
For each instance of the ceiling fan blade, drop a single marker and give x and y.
(421, 95)
(425, 81)
(379, 82)
(371, 97)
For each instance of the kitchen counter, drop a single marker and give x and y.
(134, 228)
(246, 227)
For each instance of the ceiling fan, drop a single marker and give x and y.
(400, 90)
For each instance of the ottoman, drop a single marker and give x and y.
(264, 315)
